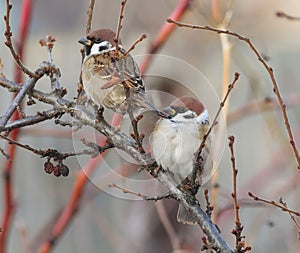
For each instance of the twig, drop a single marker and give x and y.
(197, 162)
(58, 103)
(53, 153)
(90, 16)
(127, 191)
(32, 120)
(282, 205)
(143, 196)
(266, 66)
(273, 203)
(234, 174)
(134, 121)
(54, 74)
(119, 27)
(209, 207)
(282, 14)
(140, 39)
(292, 217)
(240, 245)
(9, 44)
(165, 33)
(2, 151)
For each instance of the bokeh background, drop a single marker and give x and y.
(105, 223)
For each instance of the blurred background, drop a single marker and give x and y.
(107, 220)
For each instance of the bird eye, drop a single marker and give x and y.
(97, 40)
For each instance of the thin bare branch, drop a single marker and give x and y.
(9, 44)
(240, 245)
(90, 16)
(273, 203)
(32, 120)
(197, 161)
(119, 27)
(140, 39)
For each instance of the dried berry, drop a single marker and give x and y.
(64, 170)
(48, 167)
(56, 171)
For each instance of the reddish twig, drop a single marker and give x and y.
(266, 66)
(11, 151)
(165, 33)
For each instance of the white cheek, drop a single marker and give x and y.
(96, 47)
(203, 118)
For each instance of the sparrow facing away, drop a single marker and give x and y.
(111, 78)
(176, 140)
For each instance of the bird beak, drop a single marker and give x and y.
(170, 111)
(85, 41)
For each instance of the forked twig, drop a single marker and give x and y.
(273, 203)
(282, 205)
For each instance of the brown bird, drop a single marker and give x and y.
(111, 77)
(176, 140)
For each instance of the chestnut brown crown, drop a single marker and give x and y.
(185, 103)
(100, 35)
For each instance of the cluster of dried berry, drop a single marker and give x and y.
(58, 170)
